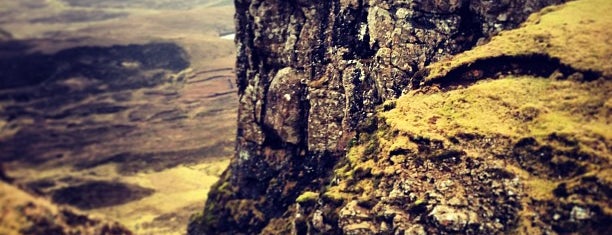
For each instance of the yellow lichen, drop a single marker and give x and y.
(335, 196)
(402, 144)
(307, 196)
(355, 154)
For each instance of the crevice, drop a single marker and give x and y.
(470, 29)
(246, 59)
(538, 65)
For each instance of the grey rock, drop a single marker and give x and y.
(580, 213)
(449, 218)
(309, 74)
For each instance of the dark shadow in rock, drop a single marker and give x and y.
(98, 194)
(549, 160)
(535, 65)
(39, 187)
(575, 218)
(3, 176)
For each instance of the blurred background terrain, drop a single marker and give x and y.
(124, 110)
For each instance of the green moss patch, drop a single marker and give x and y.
(512, 106)
(307, 196)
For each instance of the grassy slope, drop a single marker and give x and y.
(505, 111)
(578, 33)
(25, 214)
(513, 106)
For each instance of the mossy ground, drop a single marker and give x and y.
(513, 106)
(533, 152)
(545, 140)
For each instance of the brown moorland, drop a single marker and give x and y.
(122, 110)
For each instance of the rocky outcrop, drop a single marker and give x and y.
(23, 213)
(310, 76)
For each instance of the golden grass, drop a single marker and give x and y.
(12, 220)
(22, 213)
(512, 106)
(176, 189)
(577, 33)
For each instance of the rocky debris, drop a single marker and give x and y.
(449, 219)
(310, 75)
(318, 222)
(441, 193)
(355, 219)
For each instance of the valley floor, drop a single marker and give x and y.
(126, 112)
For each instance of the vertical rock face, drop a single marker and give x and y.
(310, 74)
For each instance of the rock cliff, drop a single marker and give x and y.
(316, 153)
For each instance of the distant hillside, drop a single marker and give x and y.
(23, 213)
(155, 4)
(123, 109)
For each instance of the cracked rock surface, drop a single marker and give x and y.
(310, 77)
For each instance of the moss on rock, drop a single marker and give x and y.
(512, 153)
(510, 137)
(307, 196)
